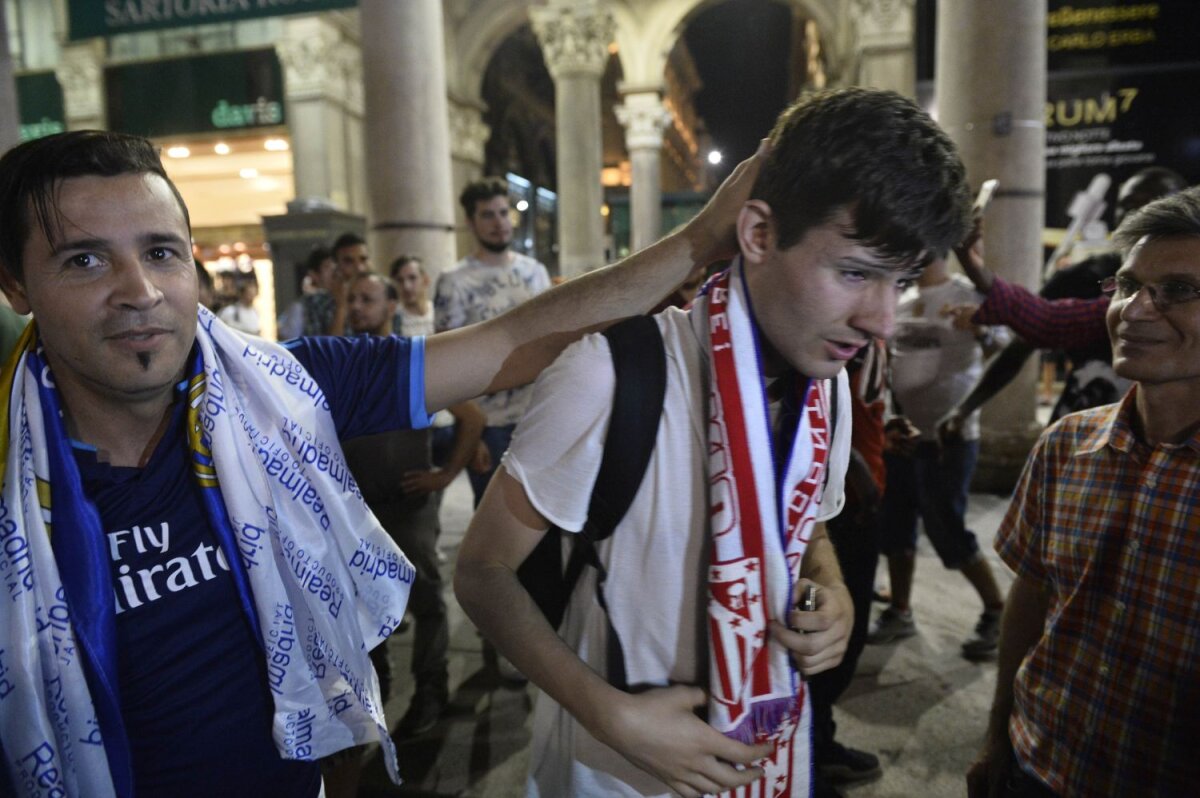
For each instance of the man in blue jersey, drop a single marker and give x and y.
(198, 621)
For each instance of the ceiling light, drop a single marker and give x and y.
(275, 145)
(248, 173)
(178, 151)
(221, 148)
(714, 157)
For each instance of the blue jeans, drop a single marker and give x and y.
(496, 439)
(932, 484)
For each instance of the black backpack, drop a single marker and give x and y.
(640, 366)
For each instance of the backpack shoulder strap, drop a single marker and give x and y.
(640, 367)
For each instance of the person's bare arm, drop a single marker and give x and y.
(997, 373)
(818, 639)
(340, 290)
(512, 349)
(469, 421)
(970, 257)
(656, 730)
(1022, 626)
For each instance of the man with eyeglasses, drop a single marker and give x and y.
(1099, 670)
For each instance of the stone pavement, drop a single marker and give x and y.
(916, 703)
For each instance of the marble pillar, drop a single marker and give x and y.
(407, 132)
(886, 55)
(468, 137)
(644, 118)
(80, 72)
(574, 41)
(991, 91)
(10, 121)
(322, 79)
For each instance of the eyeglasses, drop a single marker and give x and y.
(1164, 295)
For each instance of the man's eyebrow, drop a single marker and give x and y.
(880, 268)
(1182, 277)
(163, 238)
(76, 244)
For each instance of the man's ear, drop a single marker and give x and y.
(14, 291)
(756, 231)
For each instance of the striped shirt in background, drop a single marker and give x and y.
(1108, 700)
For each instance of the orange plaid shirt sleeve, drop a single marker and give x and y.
(1108, 700)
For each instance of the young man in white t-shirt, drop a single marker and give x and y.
(706, 570)
(490, 281)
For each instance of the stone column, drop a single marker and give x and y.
(10, 116)
(80, 72)
(407, 132)
(886, 54)
(320, 68)
(574, 42)
(644, 118)
(991, 92)
(468, 137)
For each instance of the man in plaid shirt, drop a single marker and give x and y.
(1098, 683)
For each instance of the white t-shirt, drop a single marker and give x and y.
(933, 364)
(410, 324)
(656, 558)
(475, 291)
(241, 318)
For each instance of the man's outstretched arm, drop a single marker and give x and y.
(512, 349)
(656, 730)
(1066, 323)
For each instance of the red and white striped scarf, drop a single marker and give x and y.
(760, 530)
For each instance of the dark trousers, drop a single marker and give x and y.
(414, 531)
(855, 537)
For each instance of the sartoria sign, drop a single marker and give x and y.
(108, 17)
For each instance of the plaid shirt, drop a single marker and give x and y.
(1045, 323)
(319, 308)
(1108, 700)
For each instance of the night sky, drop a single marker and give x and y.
(741, 52)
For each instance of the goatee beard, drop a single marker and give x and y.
(496, 248)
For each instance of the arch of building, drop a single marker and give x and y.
(646, 32)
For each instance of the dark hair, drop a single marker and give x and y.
(481, 190)
(346, 240)
(31, 173)
(316, 257)
(876, 155)
(1160, 179)
(402, 261)
(1175, 215)
(203, 277)
(389, 286)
